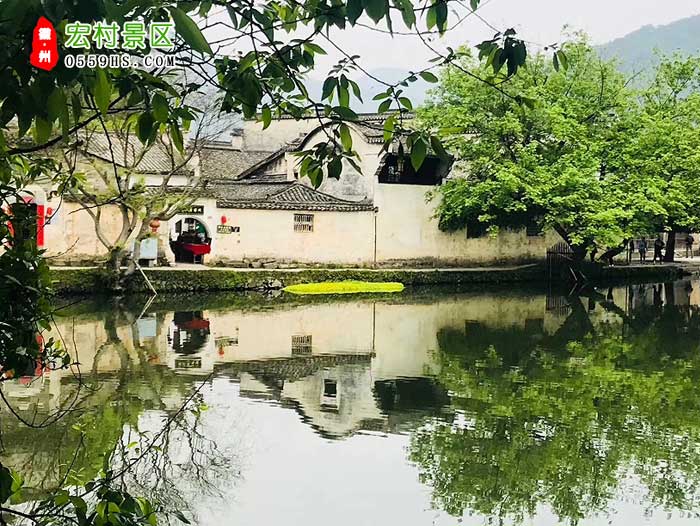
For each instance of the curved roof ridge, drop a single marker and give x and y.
(329, 198)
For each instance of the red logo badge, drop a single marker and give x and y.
(44, 47)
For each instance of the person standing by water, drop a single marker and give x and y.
(630, 251)
(689, 241)
(658, 247)
(642, 247)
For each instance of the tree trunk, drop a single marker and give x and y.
(579, 251)
(579, 254)
(669, 255)
(114, 264)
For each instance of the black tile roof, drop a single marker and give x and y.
(282, 196)
(158, 159)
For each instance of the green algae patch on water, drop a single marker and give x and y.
(344, 287)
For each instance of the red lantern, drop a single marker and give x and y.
(223, 220)
(154, 224)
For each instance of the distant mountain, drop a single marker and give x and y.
(638, 50)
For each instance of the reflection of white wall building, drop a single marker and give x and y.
(342, 366)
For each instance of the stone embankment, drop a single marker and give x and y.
(91, 280)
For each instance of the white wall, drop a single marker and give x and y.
(407, 230)
(338, 237)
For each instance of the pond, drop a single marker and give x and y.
(501, 406)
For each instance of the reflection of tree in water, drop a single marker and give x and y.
(562, 419)
(190, 333)
(176, 460)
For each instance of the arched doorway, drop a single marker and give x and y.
(28, 218)
(190, 241)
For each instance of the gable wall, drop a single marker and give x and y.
(407, 231)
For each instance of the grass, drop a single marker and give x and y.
(344, 287)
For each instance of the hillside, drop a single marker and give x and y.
(637, 51)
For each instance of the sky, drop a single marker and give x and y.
(538, 21)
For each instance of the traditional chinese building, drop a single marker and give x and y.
(256, 211)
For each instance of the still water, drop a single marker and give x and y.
(499, 406)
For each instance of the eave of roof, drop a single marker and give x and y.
(283, 196)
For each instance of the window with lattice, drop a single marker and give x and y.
(301, 344)
(303, 222)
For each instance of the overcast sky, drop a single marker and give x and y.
(538, 21)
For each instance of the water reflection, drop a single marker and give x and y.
(506, 406)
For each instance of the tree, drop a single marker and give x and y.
(535, 150)
(657, 158)
(116, 184)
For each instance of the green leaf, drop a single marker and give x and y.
(356, 90)
(428, 76)
(56, 103)
(328, 87)
(345, 137)
(315, 48)
(431, 17)
(61, 498)
(343, 96)
(188, 30)
(76, 107)
(232, 15)
(345, 113)
(376, 9)
(418, 153)
(441, 15)
(335, 168)
(353, 10)
(144, 126)
(407, 13)
(64, 119)
(78, 503)
(5, 484)
(161, 111)
(176, 136)
(266, 115)
(385, 105)
(555, 59)
(42, 130)
(103, 90)
(389, 129)
(563, 60)
(438, 147)
(406, 103)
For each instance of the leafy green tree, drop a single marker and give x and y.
(657, 157)
(533, 151)
(562, 419)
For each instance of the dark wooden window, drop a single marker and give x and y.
(397, 170)
(303, 222)
(330, 388)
